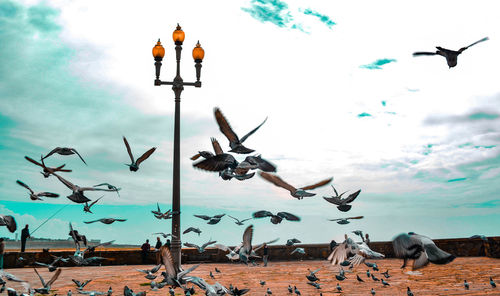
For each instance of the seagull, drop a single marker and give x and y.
(420, 248)
(235, 143)
(46, 170)
(353, 252)
(64, 151)
(46, 286)
(80, 285)
(9, 222)
(218, 162)
(78, 192)
(36, 196)
(86, 207)
(110, 187)
(299, 193)
(343, 221)
(342, 204)
(202, 248)
(450, 55)
(276, 219)
(150, 272)
(134, 166)
(193, 229)
(211, 220)
(290, 242)
(298, 250)
(239, 222)
(105, 220)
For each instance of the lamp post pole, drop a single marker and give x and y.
(177, 86)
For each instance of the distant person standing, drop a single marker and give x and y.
(266, 254)
(145, 250)
(157, 249)
(25, 234)
(2, 251)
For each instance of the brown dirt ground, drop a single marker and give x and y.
(433, 280)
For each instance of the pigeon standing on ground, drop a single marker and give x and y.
(450, 55)
(409, 292)
(134, 166)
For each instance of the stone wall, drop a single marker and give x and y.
(460, 247)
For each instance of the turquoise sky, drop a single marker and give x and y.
(342, 93)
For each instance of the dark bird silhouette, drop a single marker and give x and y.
(375, 278)
(47, 171)
(290, 242)
(110, 187)
(36, 196)
(77, 195)
(420, 248)
(386, 274)
(235, 143)
(150, 273)
(105, 220)
(211, 219)
(359, 279)
(345, 220)
(342, 204)
(9, 222)
(372, 291)
(385, 283)
(86, 207)
(276, 219)
(450, 55)
(237, 221)
(409, 292)
(193, 229)
(134, 166)
(80, 285)
(47, 285)
(64, 151)
(202, 248)
(215, 163)
(298, 193)
(339, 288)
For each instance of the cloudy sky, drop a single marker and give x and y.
(343, 95)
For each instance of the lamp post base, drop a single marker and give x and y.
(176, 249)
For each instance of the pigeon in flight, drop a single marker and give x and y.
(134, 166)
(47, 285)
(353, 253)
(80, 285)
(450, 55)
(202, 248)
(276, 219)
(64, 151)
(150, 272)
(165, 235)
(290, 242)
(297, 193)
(239, 222)
(301, 251)
(173, 276)
(110, 187)
(105, 220)
(9, 222)
(36, 196)
(78, 192)
(86, 207)
(46, 170)
(215, 163)
(211, 220)
(246, 249)
(343, 221)
(235, 143)
(420, 248)
(342, 204)
(193, 229)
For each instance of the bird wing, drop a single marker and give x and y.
(92, 203)
(54, 277)
(224, 126)
(101, 245)
(339, 254)
(288, 216)
(25, 186)
(217, 148)
(145, 155)
(464, 48)
(64, 181)
(419, 53)
(168, 262)
(121, 220)
(42, 264)
(33, 161)
(52, 152)
(60, 169)
(356, 260)
(222, 247)
(208, 244)
(156, 268)
(48, 194)
(233, 218)
(246, 220)
(357, 217)
(8, 221)
(247, 238)
(88, 222)
(277, 181)
(333, 199)
(265, 165)
(267, 243)
(77, 282)
(402, 242)
(219, 216)
(41, 278)
(128, 149)
(319, 184)
(352, 196)
(217, 163)
(252, 131)
(204, 217)
(181, 274)
(262, 214)
(190, 245)
(74, 150)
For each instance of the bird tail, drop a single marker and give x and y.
(438, 256)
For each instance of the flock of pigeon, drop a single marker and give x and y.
(348, 254)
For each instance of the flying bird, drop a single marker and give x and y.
(9, 222)
(235, 143)
(301, 251)
(64, 151)
(276, 219)
(211, 219)
(343, 221)
(202, 248)
(342, 204)
(352, 252)
(110, 187)
(80, 285)
(105, 220)
(246, 249)
(292, 241)
(47, 171)
(47, 285)
(450, 55)
(150, 272)
(215, 163)
(193, 229)
(420, 248)
(86, 207)
(239, 222)
(165, 235)
(78, 192)
(36, 196)
(173, 276)
(134, 166)
(297, 193)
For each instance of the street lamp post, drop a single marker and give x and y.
(177, 86)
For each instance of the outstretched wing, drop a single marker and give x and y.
(8, 221)
(190, 245)
(339, 254)
(262, 214)
(252, 131)
(168, 262)
(48, 194)
(352, 196)
(464, 48)
(277, 181)
(333, 199)
(421, 53)
(357, 217)
(33, 161)
(204, 217)
(145, 155)
(222, 247)
(128, 149)
(224, 126)
(52, 152)
(64, 181)
(41, 278)
(217, 163)
(156, 268)
(74, 150)
(319, 184)
(247, 238)
(288, 216)
(88, 222)
(24, 185)
(54, 277)
(217, 148)
(208, 244)
(92, 203)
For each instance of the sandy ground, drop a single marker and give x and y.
(431, 280)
